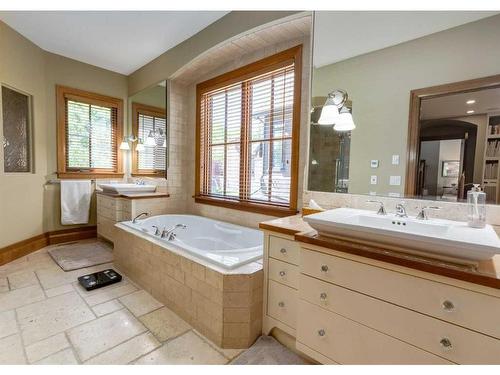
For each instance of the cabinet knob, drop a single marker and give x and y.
(281, 304)
(324, 268)
(283, 250)
(448, 306)
(321, 332)
(322, 296)
(445, 343)
(282, 273)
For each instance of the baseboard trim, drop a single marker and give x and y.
(25, 247)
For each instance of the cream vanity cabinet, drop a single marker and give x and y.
(349, 309)
(112, 209)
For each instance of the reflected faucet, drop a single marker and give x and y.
(401, 210)
(169, 233)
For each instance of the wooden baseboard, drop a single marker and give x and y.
(22, 248)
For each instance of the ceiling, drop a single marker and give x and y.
(120, 41)
(341, 35)
(487, 100)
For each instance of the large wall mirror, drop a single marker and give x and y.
(148, 126)
(424, 112)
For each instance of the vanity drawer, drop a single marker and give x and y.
(284, 273)
(469, 309)
(430, 334)
(348, 342)
(285, 250)
(282, 303)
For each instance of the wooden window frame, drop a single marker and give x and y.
(63, 93)
(266, 65)
(138, 108)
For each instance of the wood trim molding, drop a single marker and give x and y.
(266, 65)
(62, 93)
(150, 111)
(25, 247)
(416, 97)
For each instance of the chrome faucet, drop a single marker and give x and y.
(422, 215)
(169, 233)
(381, 209)
(138, 216)
(401, 210)
(157, 230)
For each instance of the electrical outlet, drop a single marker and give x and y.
(373, 180)
(374, 163)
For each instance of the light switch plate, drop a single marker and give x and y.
(374, 163)
(373, 180)
(395, 180)
(395, 159)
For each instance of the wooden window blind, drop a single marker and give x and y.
(152, 160)
(248, 129)
(89, 132)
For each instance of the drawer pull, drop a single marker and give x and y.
(282, 273)
(283, 250)
(322, 296)
(281, 304)
(321, 332)
(445, 343)
(448, 306)
(324, 268)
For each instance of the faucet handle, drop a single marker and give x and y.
(422, 215)
(381, 210)
(157, 230)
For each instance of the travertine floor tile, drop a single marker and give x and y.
(51, 277)
(8, 325)
(65, 357)
(228, 353)
(4, 285)
(164, 324)
(20, 297)
(188, 349)
(109, 294)
(11, 351)
(58, 290)
(46, 318)
(22, 279)
(103, 333)
(140, 302)
(107, 307)
(44, 348)
(127, 352)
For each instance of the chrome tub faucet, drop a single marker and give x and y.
(169, 233)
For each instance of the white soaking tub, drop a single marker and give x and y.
(227, 245)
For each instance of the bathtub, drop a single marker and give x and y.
(226, 245)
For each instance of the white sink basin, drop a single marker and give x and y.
(442, 238)
(127, 188)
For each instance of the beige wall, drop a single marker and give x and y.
(21, 195)
(165, 65)
(379, 84)
(30, 206)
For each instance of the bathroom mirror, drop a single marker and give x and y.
(148, 132)
(426, 120)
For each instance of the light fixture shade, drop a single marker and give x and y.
(329, 114)
(344, 122)
(140, 146)
(164, 144)
(124, 145)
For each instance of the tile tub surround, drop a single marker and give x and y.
(50, 319)
(224, 305)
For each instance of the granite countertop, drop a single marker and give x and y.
(487, 273)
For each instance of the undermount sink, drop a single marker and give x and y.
(119, 188)
(441, 238)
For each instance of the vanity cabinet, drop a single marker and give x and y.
(112, 209)
(349, 309)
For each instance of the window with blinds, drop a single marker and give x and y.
(149, 122)
(89, 130)
(248, 134)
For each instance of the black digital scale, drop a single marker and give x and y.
(99, 279)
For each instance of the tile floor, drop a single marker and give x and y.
(47, 318)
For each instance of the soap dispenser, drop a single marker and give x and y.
(476, 210)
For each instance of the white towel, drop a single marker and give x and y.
(75, 201)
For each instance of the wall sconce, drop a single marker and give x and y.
(125, 146)
(334, 112)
